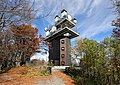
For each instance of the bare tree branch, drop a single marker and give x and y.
(16, 12)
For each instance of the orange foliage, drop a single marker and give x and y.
(27, 39)
(24, 31)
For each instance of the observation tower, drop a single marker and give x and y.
(59, 36)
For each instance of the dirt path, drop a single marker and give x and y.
(53, 81)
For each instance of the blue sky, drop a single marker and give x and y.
(94, 16)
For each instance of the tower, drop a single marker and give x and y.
(59, 36)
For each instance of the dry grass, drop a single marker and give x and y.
(24, 75)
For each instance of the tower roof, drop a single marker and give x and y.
(60, 34)
(65, 22)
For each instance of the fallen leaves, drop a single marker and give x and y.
(24, 75)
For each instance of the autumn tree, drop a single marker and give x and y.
(16, 12)
(17, 45)
(115, 44)
(27, 40)
(99, 61)
(112, 47)
(8, 51)
(116, 23)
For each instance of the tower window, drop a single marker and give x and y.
(62, 48)
(62, 55)
(62, 41)
(63, 63)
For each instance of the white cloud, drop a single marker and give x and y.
(96, 29)
(74, 7)
(98, 19)
(94, 16)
